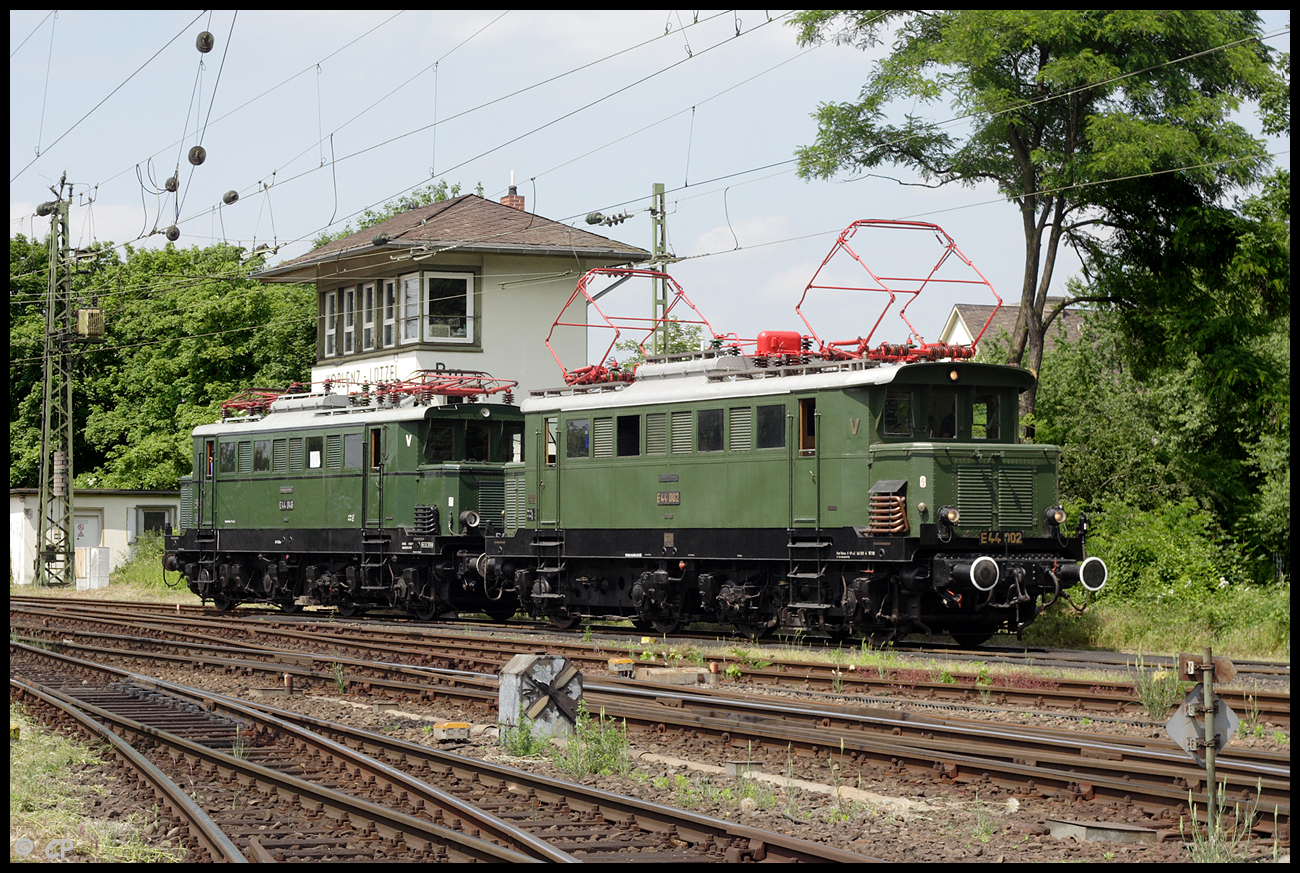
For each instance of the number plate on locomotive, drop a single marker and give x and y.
(1001, 537)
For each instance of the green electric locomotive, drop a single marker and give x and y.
(360, 501)
(848, 497)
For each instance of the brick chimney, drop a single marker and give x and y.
(514, 199)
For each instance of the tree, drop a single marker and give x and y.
(185, 330)
(1091, 122)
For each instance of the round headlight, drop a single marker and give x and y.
(1055, 516)
(949, 514)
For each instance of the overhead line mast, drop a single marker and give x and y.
(65, 328)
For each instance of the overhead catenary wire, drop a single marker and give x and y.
(787, 162)
(105, 100)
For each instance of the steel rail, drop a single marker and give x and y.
(205, 831)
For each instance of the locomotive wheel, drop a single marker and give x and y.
(224, 602)
(423, 613)
(288, 607)
(565, 622)
(642, 624)
(351, 610)
(666, 626)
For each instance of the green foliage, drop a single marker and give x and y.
(185, 330)
(520, 741)
(1170, 554)
(435, 193)
(1110, 129)
(680, 338)
(597, 745)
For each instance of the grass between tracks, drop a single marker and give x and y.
(47, 808)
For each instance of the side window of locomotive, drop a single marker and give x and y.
(439, 445)
(808, 426)
(629, 436)
(771, 427)
(352, 449)
(941, 417)
(477, 441)
(315, 452)
(261, 456)
(708, 430)
(984, 418)
(577, 438)
(896, 421)
(552, 427)
(227, 463)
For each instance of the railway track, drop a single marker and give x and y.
(375, 790)
(897, 678)
(1153, 778)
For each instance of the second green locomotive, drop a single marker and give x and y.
(359, 501)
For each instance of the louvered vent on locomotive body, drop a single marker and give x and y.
(492, 503)
(1001, 497)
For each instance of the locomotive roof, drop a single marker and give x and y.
(337, 412)
(709, 376)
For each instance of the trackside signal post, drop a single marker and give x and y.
(1220, 722)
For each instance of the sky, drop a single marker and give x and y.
(315, 116)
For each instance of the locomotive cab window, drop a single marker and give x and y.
(984, 418)
(551, 426)
(941, 416)
(897, 418)
(439, 445)
(478, 441)
(513, 441)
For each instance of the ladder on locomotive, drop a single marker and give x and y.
(808, 551)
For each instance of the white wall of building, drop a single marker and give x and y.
(102, 518)
(517, 307)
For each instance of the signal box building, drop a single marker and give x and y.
(463, 284)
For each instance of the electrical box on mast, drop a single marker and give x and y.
(90, 325)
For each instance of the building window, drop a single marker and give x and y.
(349, 320)
(390, 312)
(410, 306)
(331, 324)
(368, 317)
(449, 307)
